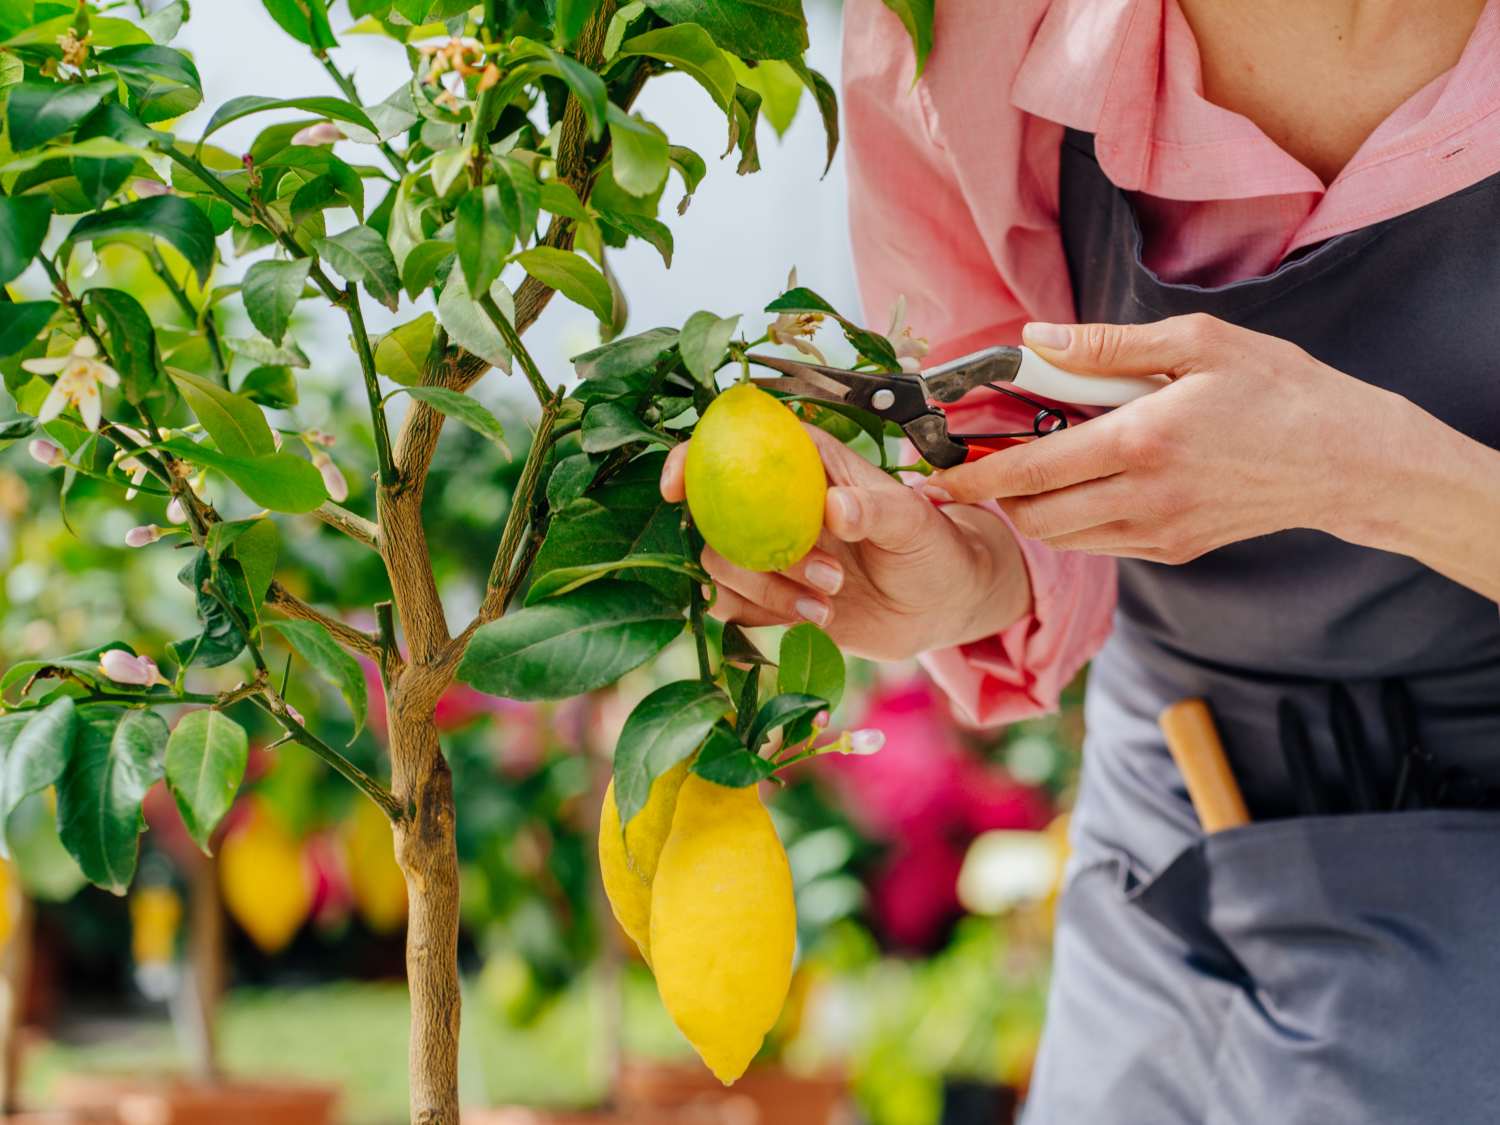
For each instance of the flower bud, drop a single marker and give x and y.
(867, 741)
(123, 668)
(146, 189)
(175, 511)
(49, 453)
(322, 133)
(333, 480)
(142, 536)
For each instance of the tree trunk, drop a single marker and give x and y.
(205, 983)
(17, 976)
(428, 857)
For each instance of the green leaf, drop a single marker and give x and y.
(23, 226)
(570, 275)
(334, 108)
(691, 167)
(466, 323)
(752, 29)
(725, 761)
(83, 665)
(361, 254)
(484, 237)
(222, 638)
(21, 321)
(38, 111)
(14, 429)
(235, 423)
(827, 101)
(132, 341)
(665, 727)
(657, 233)
(809, 663)
(35, 746)
(316, 645)
(271, 291)
(163, 82)
(258, 349)
(691, 50)
(566, 579)
(570, 17)
(559, 199)
(609, 425)
(627, 355)
(419, 269)
(704, 344)
(778, 85)
(304, 20)
(282, 482)
(520, 195)
(743, 130)
(206, 756)
(619, 24)
(116, 759)
(782, 710)
(271, 385)
(582, 82)
(570, 478)
(256, 550)
(573, 644)
(402, 352)
(167, 217)
(638, 154)
(916, 16)
(101, 178)
(456, 404)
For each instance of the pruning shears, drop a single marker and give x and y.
(914, 401)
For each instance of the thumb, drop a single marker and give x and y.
(1174, 347)
(888, 518)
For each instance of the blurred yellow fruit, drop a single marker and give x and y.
(723, 923)
(755, 482)
(627, 861)
(155, 915)
(376, 880)
(264, 880)
(10, 902)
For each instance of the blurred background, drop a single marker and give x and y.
(924, 874)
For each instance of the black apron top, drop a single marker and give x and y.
(1301, 969)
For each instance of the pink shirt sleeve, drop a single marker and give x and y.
(916, 235)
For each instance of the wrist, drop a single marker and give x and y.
(999, 591)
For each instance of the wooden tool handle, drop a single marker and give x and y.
(1194, 742)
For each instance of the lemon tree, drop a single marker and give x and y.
(496, 169)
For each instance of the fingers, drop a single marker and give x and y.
(1056, 515)
(1174, 347)
(772, 597)
(673, 487)
(1067, 457)
(892, 519)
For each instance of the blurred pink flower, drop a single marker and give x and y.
(915, 896)
(333, 891)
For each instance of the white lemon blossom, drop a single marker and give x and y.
(910, 349)
(79, 374)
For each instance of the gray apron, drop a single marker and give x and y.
(1317, 969)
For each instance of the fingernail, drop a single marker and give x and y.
(810, 609)
(847, 505)
(706, 591)
(935, 492)
(1055, 336)
(825, 577)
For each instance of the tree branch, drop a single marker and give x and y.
(356, 527)
(372, 384)
(369, 786)
(356, 640)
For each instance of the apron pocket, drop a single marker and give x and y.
(1367, 949)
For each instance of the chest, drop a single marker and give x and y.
(1318, 79)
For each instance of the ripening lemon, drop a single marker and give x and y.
(723, 923)
(755, 482)
(628, 861)
(263, 878)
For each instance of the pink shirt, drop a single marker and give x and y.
(953, 202)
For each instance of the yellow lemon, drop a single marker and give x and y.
(155, 917)
(628, 860)
(264, 880)
(377, 883)
(723, 924)
(755, 482)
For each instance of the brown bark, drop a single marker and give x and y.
(205, 983)
(428, 857)
(16, 974)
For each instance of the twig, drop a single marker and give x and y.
(700, 636)
(346, 83)
(210, 324)
(518, 349)
(356, 640)
(362, 781)
(372, 385)
(503, 576)
(356, 527)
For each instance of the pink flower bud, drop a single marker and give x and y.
(123, 668)
(175, 511)
(868, 741)
(145, 189)
(333, 480)
(49, 453)
(323, 133)
(821, 719)
(142, 536)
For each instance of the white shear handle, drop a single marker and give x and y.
(1038, 377)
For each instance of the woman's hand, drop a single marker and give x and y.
(892, 575)
(1252, 436)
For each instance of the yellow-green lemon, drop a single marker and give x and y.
(723, 923)
(755, 483)
(628, 860)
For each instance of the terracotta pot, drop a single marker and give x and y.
(707, 1114)
(766, 1095)
(184, 1101)
(56, 1117)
